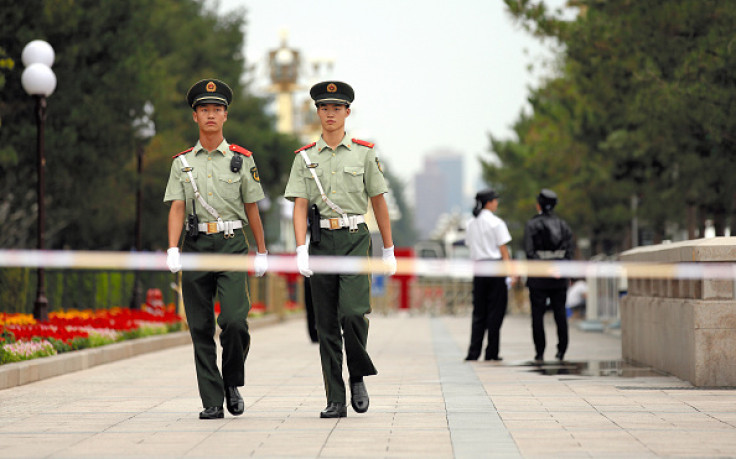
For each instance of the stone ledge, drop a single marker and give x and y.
(715, 249)
(28, 371)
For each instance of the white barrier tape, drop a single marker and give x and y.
(455, 268)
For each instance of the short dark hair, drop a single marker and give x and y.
(319, 104)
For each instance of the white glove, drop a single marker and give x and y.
(260, 264)
(508, 283)
(173, 259)
(389, 260)
(302, 260)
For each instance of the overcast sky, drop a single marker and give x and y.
(428, 76)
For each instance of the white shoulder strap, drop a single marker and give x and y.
(327, 200)
(188, 170)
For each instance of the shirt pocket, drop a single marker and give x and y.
(312, 188)
(353, 178)
(229, 187)
(186, 183)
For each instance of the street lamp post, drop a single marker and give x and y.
(144, 129)
(39, 81)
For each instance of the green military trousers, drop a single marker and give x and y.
(199, 289)
(341, 301)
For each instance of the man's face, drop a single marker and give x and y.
(210, 117)
(493, 205)
(332, 117)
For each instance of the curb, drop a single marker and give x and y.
(28, 371)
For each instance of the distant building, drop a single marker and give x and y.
(438, 190)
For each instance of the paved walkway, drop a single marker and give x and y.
(426, 402)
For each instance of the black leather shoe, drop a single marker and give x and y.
(334, 410)
(495, 359)
(470, 358)
(359, 397)
(560, 356)
(234, 401)
(538, 358)
(212, 412)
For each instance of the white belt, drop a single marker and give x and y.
(219, 227)
(351, 222)
(551, 254)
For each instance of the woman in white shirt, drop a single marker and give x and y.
(487, 237)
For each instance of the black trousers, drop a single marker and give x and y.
(490, 299)
(538, 298)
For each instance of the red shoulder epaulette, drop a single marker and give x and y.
(239, 149)
(364, 143)
(185, 151)
(305, 147)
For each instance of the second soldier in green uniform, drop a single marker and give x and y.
(335, 178)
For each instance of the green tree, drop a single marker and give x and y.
(640, 108)
(139, 52)
(403, 231)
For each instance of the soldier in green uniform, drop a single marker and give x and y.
(337, 176)
(215, 187)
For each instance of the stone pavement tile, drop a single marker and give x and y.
(668, 407)
(242, 444)
(549, 390)
(561, 445)
(422, 404)
(536, 424)
(727, 417)
(369, 420)
(517, 404)
(565, 404)
(301, 422)
(420, 443)
(511, 416)
(586, 420)
(694, 421)
(677, 443)
(624, 447)
(128, 444)
(348, 443)
(436, 420)
(638, 420)
(413, 405)
(712, 406)
(472, 420)
(38, 445)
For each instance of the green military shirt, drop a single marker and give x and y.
(350, 174)
(222, 188)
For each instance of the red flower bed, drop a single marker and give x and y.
(66, 326)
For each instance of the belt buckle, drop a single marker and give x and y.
(335, 223)
(212, 227)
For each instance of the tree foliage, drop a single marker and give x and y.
(112, 58)
(640, 108)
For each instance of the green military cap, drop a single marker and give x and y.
(209, 92)
(332, 92)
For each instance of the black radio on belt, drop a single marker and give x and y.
(313, 217)
(193, 223)
(236, 163)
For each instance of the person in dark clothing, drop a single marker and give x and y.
(548, 237)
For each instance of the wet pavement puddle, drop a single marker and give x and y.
(617, 368)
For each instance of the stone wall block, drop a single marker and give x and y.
(685, 327)
(717, 289)
(714, 357)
